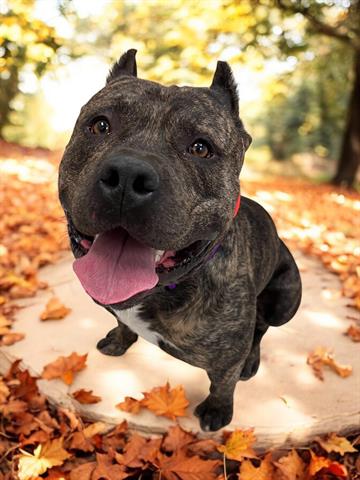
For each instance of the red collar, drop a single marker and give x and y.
(237, 205)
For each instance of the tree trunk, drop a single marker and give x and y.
(349, 160)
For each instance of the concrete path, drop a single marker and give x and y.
(285, 403)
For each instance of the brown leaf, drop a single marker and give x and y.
(353, 332)
(291, 466)
(83, 472)
(186, 468)
(65, 368)
(322, 356)
(85, 396)
(166, 401)
(4, 391)
(333, 443)
(239, 445)
(264, 472)
(130, 405)
(54, 310)
(106, 470)
(176, 438)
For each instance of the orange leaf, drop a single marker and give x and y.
(176, 438)
(54, 310)
(354, 333)
(239, 445)
(165, 401)
(11, 338)
(85, 396)
(291, 466)
(130, 405)
(264, 472)
(319, 463)
(187, 468)
(65, 368)
(322, 356)
(333, 443)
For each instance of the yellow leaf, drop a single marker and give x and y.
(333, 443)
(239, 445)
(44, 457)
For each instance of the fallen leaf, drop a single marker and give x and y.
(176, 438)
(65, 368)
(54, 310)
(239, 445)
(44, 457)
(4, 391)
(318, 463)
(354, 333)
(322, 356)
(264, 472)
(291, 467)
(179, 466)
(166, 401)
(11, 338)
(85, 396)
(106, 469)
(130, 405)
(83, 472)
(334, 443)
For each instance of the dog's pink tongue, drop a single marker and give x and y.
(116, 267)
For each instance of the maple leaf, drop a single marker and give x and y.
(44, 457)
(85, 396)
(54, 310)
(179, 466)
(203, 447)
(333, 443)
(106, 470)
(132, 452)
(322, 356)
(130, 405)
(291, 466)
(166, 401)
(11, 338)
(83, 472)
(239, 445)
(318, 463)
(176, 438)
(264, 472)
(354, 333)
(65, 368)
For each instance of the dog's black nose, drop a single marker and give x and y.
(129, 181)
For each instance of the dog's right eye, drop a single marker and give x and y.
(100, 126)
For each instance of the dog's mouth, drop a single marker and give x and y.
(113, 267)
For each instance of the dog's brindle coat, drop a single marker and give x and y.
(220, 309)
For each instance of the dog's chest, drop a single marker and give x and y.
(132, 319)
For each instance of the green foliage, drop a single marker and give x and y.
(24, 40)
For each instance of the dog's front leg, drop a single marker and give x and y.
(216, 410)
(117, 341)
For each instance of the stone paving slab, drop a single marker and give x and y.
(285, 403)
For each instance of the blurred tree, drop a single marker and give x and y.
(339, 20)
(24, 41)
(180, 41)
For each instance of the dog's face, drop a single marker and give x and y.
(149, 181)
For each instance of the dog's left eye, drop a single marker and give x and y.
(200, 148)
(100, 126)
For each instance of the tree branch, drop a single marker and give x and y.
(321, 27)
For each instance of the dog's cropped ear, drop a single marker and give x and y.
(126, 65)
(224, 81)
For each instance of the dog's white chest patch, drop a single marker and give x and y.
(131, 318)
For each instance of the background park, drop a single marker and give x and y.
(297, 64)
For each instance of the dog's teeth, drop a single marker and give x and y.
(158, 255)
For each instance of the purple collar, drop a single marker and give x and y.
(212, 254)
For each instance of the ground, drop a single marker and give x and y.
(287, 403)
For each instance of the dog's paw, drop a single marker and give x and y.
(115, 343)
(251, 366)
(212, 417)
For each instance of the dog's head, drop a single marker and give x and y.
(149, 181)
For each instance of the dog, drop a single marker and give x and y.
(149, 183)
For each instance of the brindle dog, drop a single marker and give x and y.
(149, 183)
